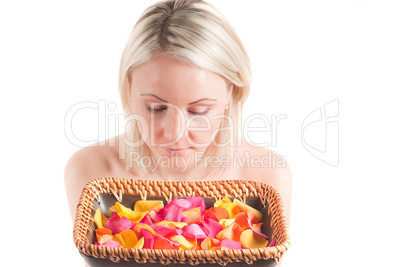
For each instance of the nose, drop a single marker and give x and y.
(174, 125)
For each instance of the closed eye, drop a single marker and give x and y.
(199, 113)
(156, 109)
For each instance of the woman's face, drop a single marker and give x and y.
(180, 105)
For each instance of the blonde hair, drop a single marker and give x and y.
(193, 31)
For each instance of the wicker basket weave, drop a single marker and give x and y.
(103, 192)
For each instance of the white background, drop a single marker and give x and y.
(304, 54)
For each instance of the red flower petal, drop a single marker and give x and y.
(168, 231)
(148, 238)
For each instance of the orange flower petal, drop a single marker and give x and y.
(241, 219)
(236, 232)
(248, 208)
(192, 215)
(103, 231)
(231, 209)
(129, 237)
(206, 244)
(216, 213)
(119, 238)
(161, 242)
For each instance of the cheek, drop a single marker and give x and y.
(203, 130)
(143, 120)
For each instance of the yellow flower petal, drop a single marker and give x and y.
(226, 222)
(140, 243)
(133, 216)
(147, 205)
(172, 224)
(185, 242)
(100, 219)
(110, 211)
(222, 201)
(249, 239)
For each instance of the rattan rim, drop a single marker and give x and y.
(207, 189)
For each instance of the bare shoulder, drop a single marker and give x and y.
(260, 162)
(85, 165)
(267, 166)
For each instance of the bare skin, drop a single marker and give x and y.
(161, 84)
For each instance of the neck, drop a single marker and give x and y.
(179, 168)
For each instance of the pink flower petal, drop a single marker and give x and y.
(173, 211)
(255, 231)
(230, 244)
(117, 224)
(148, 238)
(183, 203)
(272, 243)
(211, 227)
(197, 202)
(147, 220)
(155, 216)
(109, 244)
(194, 231)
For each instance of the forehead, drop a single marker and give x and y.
(176, 81)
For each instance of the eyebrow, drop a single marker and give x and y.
(199, 100)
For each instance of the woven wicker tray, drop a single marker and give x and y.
(104, 192)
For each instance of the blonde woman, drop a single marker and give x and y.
(184, 76)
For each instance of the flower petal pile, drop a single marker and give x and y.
(183, 223)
